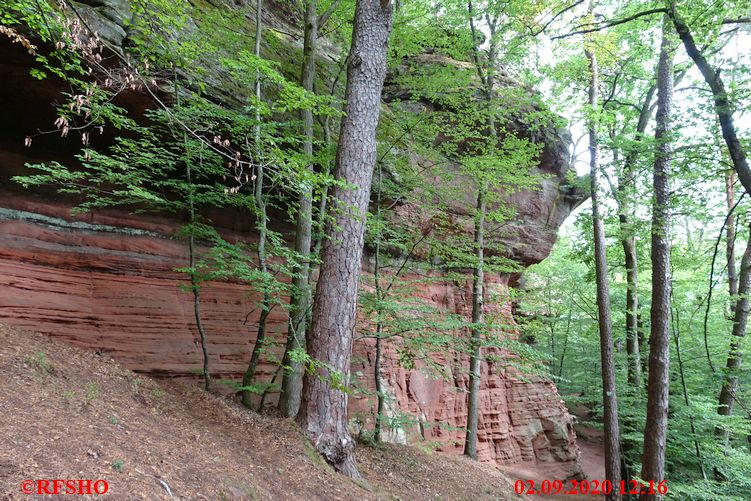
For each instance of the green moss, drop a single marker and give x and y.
(313, 455)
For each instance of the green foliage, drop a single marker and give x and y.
(564, 327)
(39, 361)
(451, 139)
(91, 392)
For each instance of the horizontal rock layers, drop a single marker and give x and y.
(107, 282)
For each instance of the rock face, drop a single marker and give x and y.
(106, 281)
(520, 421)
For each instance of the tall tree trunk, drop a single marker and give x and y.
(730, 238)
(289, 399)
(632, 311)
(625, 212)
(740, 321)
(473, 399)
(262, 224)
(195, 287)
(721, 102)
(380, 397)
(475, 363)
(323, 410)
(565, 344)
(677, 339)
(609, 397)
(655, 432)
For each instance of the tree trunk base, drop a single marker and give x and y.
(339, 452)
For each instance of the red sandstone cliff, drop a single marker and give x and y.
(106, 281)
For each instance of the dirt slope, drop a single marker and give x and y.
(73, 414)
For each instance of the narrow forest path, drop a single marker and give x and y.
(591, 445)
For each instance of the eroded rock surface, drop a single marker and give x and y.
(106, 281)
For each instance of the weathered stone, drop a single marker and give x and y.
(106, 281)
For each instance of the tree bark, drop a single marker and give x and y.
(740, 321)
(632, 311)
(609, 397)
(684, 387)
(194, 286)
(487, 78)
(655, 432)
(323, 410)
(628, 242)
(473, 398)
(730, 238)
(721, 102)
(380, 397)
(289, 398)
(260, 202)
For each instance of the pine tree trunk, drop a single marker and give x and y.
(475, 361)
(323, 410)
(609, 397)
(655, 432)
(289, 399)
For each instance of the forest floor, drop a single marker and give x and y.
(73, 414)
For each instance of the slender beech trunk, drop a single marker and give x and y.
(289, 399)
(632, 310)
(377, 373)
(473, 400)
(721, 102)
(487, 77)
(381, 294)
(609, 397)
(730, 239)
(323, 410)
(565, 344)
(726, 408)
(320, 226)
(626, 186)
(676, 322)
(260, 202)
(194, 286)
(655, 431)
(380, 397)
(740, 321)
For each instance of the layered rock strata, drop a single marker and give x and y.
(107, 282)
